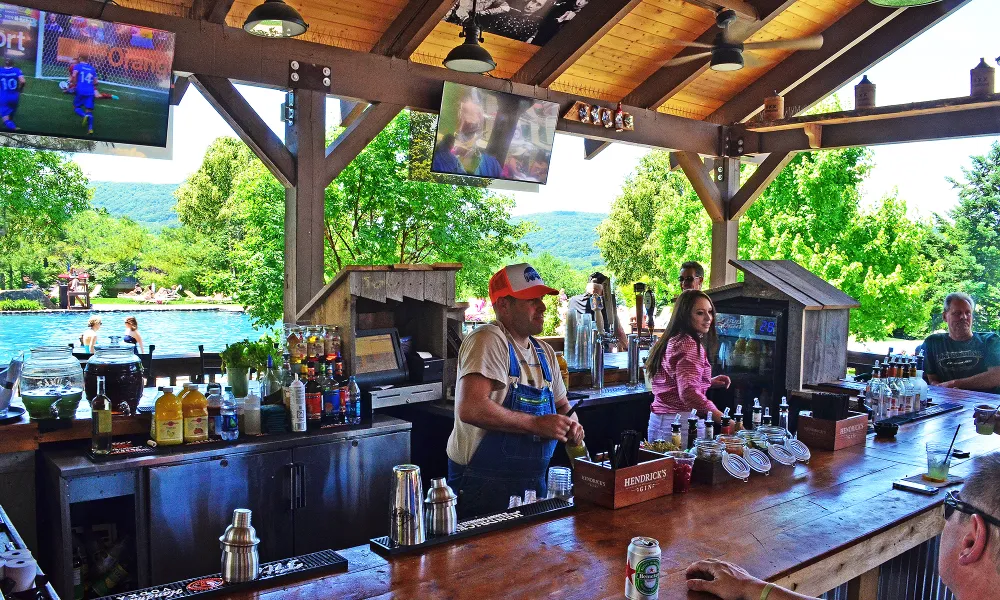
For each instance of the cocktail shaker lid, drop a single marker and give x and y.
(440, 492)
(240, 533)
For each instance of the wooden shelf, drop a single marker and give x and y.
(912, 109)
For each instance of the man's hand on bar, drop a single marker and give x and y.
(730, 582)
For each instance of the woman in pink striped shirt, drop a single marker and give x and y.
(679, 367)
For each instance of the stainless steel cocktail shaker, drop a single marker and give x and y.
(440, 516)
(240, 561)
(406, 517)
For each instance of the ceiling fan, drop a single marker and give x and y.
(727, 54)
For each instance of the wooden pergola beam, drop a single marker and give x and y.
(411, 27)
(862, 57)
(744, 9)
(178, 88)
(212, 49)
(919, 128)
(213, 11)
(766, 172)
(237, 112)
(667, 81)
(700, 176)
(852, 29)
(573, 40)
(592, 148)
(351, 110)
(353, 140)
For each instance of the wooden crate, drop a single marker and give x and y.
(651, 478)
(833, 435)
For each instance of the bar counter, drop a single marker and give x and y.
(811, 528)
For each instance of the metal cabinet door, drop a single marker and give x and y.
(191, 504)
(346, 490)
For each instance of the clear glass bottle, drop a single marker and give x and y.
(354, 402)
(783, 413)
(895, 395)
(100, 405)
(756, 414)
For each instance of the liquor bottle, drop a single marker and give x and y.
(286, 380)
(868, 387)
(895, 391)
(331, 395)
(918, 379)
(297, 404)
(344, 393)
(709, 427)
(756, 414)
(271, 381)
(727, 423)
(766, 419)
(738, 419)
(692, 432)
(314, 399)
(229, 429)
(169, 419)
(908, 388)
(100, 439)
(574, 451)
(354, 402)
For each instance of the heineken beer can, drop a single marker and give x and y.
(642, 569)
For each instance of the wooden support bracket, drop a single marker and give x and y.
(413, 24)
(213, 11)
(353, 140)
(178, 88)
(704, 184)
(592, 148)
(814, 133)
(758, 182)
(237, 112)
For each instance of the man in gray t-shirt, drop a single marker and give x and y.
(961, 358)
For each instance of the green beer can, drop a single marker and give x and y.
(642, 569)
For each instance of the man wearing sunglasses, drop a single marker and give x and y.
(692, 276)
(968, 557)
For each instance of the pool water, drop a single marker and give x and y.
(171, 331)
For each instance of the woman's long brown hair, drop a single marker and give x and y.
(680, 324)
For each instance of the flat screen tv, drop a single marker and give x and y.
(76, 77)
(495, 135)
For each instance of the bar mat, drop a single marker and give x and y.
(952, 480)
(324, 561)
(512, 517)
(930, 411)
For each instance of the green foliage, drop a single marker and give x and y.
(148, 204)
(20, 305)
(248, 355)
(656, 224)
(108, 248)
(974, 237)
(569, 235)
(40, 192)
(558, 274)
(376, 215)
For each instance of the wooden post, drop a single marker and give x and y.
(725, 233)
(304, 222)
(864, 586)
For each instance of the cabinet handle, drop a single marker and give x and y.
(292, 487)
(300, 501)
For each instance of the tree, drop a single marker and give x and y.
(40, 192)
(558, 274)
(108, 248)
(375, 214)
(656, 224)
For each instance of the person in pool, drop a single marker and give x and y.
(132, 335)
(89, 338)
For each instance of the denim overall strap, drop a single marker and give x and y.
(507, 464)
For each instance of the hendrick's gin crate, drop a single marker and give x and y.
(595, 481)
(833, 435)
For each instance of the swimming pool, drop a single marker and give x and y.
(171, 331)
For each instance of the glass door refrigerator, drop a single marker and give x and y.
(751, 351)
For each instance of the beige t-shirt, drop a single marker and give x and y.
(484, 351)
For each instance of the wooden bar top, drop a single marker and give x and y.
(775, 526)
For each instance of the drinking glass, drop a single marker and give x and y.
(938, 461)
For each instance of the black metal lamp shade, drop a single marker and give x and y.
(275, 19)
(727, 59)
(470, 57)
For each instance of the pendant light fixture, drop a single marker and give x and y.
(275, 19)
(902, 3)
(470, 57)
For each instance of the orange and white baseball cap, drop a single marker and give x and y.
(521, 281)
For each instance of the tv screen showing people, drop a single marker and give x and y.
(482, 133)
(76, 77)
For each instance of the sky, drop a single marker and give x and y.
(935, 65)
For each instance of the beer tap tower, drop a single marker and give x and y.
(645, 308)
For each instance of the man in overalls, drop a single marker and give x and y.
(510, 401)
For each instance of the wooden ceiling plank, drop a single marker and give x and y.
(409, 29)
(694, 26)
(842, 36)
(667, 81)
(237, 112)
(573, 40)
(353, 140)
